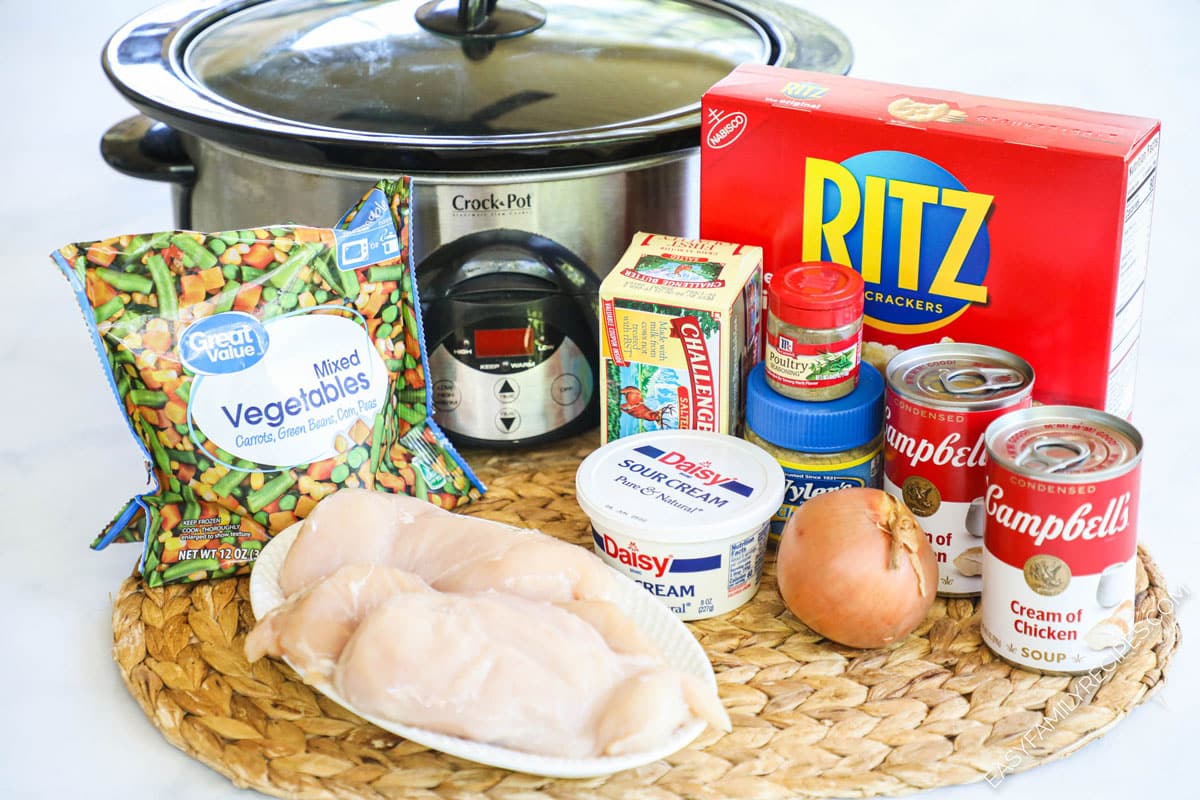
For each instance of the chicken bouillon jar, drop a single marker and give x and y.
(822, 447)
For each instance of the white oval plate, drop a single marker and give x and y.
(680, 650)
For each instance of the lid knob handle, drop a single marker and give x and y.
(480, 19)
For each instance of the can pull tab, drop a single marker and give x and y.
(1053, 455)
(980, 380)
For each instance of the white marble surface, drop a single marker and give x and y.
(70, 729)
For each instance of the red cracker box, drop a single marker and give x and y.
(1021, 226)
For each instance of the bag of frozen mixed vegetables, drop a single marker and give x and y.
(261, 370)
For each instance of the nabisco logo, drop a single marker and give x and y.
(1081, 524)
(630, 557)
(943, 453)
(726, 128)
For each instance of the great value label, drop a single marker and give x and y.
(277, 394)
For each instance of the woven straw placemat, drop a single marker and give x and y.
(811, 719)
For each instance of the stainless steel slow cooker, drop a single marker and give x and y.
(568, 126)
(578, 121)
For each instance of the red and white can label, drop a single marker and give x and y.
(934, 462)
(1059, 565)
(812, 366)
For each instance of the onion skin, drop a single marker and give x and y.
(855, 567)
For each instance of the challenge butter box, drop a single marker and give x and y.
(680, 326)
(972, 219)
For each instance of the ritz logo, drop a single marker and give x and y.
(804, 90)
(915, 233)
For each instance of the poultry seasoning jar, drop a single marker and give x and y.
(814, 331)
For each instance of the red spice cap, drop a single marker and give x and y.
(816, 294)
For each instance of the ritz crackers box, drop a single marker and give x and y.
(972, 219)
(680, 327)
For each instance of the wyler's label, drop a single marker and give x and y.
(806, 481)
(1060, 542)
(940, 400)
(679, 325)
(684, 514)
(967, 217)
(278, 393)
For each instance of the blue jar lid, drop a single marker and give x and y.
(826, 427)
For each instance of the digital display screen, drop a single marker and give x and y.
(503, 342)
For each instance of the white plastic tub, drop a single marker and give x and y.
(684, 514)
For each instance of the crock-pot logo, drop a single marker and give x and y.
(700, 470)
(658, 566)
(223, 343)
(492, 203)
(725, 128)
(912, 229)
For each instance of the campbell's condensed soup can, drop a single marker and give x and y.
(940, 400)
(1060, 541)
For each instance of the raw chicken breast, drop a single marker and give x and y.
(453, 553)
(614, 626)
(509, 671)
(648, 706)
(313, 626)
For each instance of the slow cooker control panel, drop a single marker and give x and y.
(500, 381)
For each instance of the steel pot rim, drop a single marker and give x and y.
(143, 60)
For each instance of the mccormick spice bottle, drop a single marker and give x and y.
(814, 331)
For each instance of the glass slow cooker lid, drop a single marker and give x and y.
(462, 85)
(372, 67)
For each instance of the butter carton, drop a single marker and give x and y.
(680, 326)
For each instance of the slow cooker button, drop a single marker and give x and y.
(507, 390)
(446, 395)
(565, 389)
(508, 420)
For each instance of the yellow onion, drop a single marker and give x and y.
(855, 566)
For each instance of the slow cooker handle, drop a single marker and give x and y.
(143, 148)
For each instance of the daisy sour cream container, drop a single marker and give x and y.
(685, 514)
